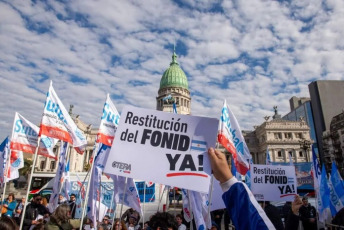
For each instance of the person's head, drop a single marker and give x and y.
(36, 199)
(61, 214)
(119, 225)
(72, 197)
(11, 197)
(39, 226)
(163, 221)
(305, 201)
(61, 197)
(23, 199)
(106, 219)
(132, 219)
(7, 223)
(179, 219)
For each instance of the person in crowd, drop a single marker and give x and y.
(18, 210)
(7, 223)
(9, 205)
(119, 225)
(285, 210)
(106, 223)
(133, 223)
(292, 220)
(308, 215)
(216, 216)
(179, 219)
(62, 199)
(34, 210)
(130, 212)
(72, 205)
(61, 219)
(146, 226)
(163, 220)
(88, 225)
(242, 207)
(339, 219)
(273, 214)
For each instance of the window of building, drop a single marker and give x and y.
(278, 135)
(41, 166)
(52, 165)
(300, 153)
(298, 135)
(287, 135)
(291, 153)
(279, 153)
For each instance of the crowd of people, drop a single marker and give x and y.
(241, 207)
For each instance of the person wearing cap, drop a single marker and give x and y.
(308, 215)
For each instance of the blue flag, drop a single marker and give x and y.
(324, 191)
(336, 181)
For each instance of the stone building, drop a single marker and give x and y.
(281, 138)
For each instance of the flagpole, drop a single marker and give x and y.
(190, 210)
(210, 197)
(88, 187)
(112, 209)
(29, 184)
(144, 200)
(125, 191)
(160, 196)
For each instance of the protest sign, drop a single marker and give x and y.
(273, 182)
(165, 148)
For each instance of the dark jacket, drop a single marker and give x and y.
(306, 213)
(292, 221)
(273, 213)
(31, 213)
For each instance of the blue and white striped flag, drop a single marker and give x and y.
(198, 145)
(4, 155)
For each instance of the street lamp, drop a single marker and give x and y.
(305, 145)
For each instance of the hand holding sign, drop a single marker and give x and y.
(221, 169)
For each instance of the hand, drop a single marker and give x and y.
(34, 222)
(296, 204)
(312, 220)
(219, 165)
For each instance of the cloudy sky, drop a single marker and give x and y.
(256, 54)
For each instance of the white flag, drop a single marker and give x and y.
(25, 137)
(199, 205)
(57, 180)
(57, 123)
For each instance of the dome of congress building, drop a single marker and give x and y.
(174, 76)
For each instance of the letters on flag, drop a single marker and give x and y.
(186, 206)
(109, 123)
(25, 137)
(230, 137)
(57, 123)
(337, 182)
(4, 152)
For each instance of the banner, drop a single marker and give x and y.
(178, 142)
(148, 193)
(273, 183)
(231, 138)
(109, 123)
(57, 123)
(4, 152)
(25, 138)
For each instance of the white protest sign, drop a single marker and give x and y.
(165, 148)
(273, 182)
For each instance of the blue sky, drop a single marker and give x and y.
(255, 54)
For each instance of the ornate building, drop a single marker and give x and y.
(281, 138)
(174, 86)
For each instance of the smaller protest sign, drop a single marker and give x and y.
(273, 182)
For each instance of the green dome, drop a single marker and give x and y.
(174, 76)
